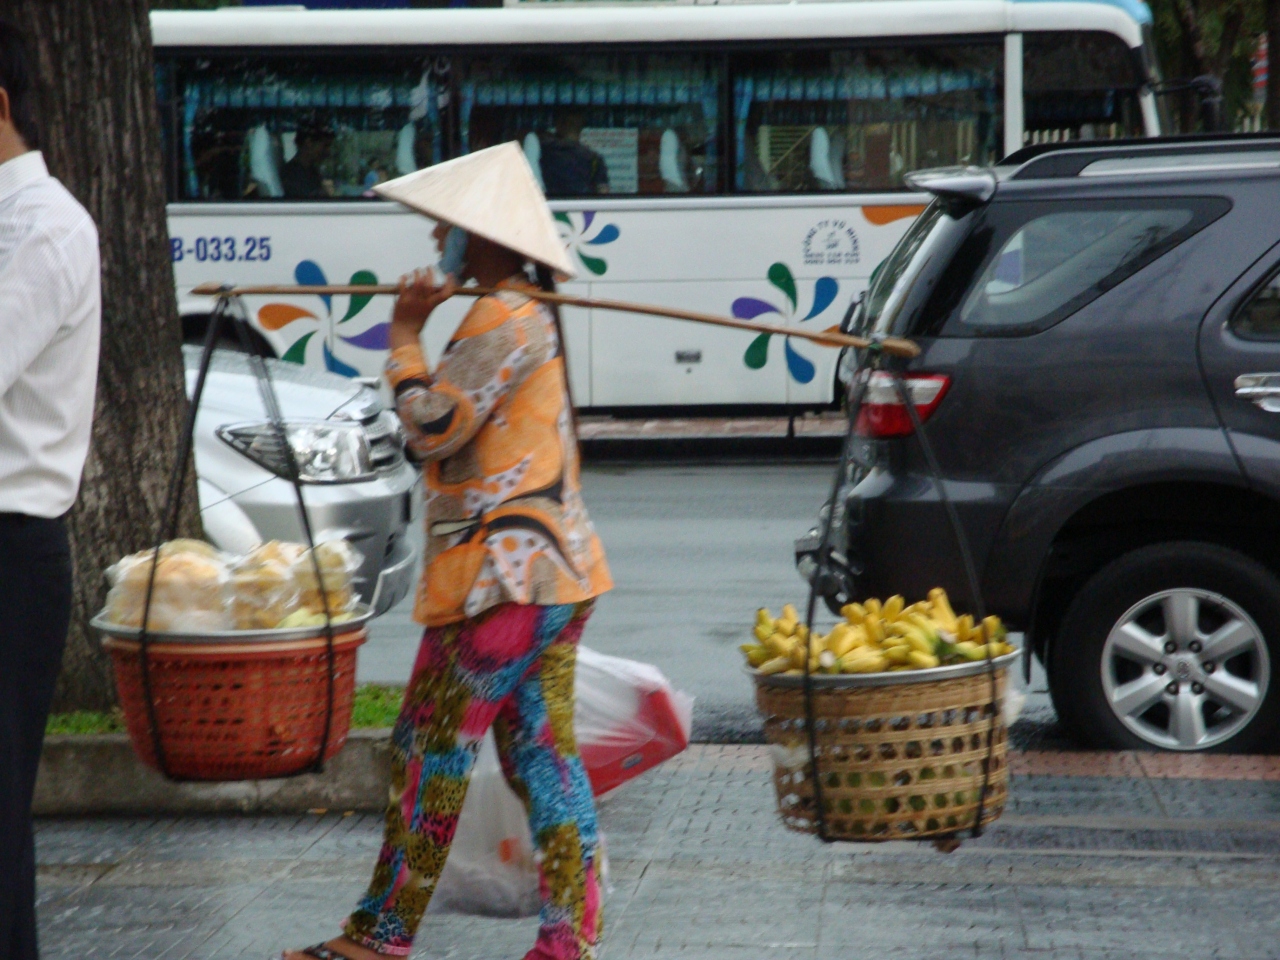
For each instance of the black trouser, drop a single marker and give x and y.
(35, 609)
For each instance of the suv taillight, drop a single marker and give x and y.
(883, 414)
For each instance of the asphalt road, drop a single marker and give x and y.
(694, 550)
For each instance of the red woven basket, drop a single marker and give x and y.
(237, 711)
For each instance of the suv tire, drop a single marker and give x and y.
(1133, 665)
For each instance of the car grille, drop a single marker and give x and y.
(386, 449)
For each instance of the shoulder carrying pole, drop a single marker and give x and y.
(827, 338)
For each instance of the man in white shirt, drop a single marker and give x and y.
(49, 326)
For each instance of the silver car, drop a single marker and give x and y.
(350, 453)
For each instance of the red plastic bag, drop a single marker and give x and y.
(627, 718)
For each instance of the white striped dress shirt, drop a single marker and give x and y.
(50, 314)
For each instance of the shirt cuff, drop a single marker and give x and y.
(406, 363)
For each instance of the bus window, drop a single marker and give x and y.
(267, 128)
(624, 123)
(1080, 86)
(862, 118)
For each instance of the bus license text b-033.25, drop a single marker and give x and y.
(219, 248)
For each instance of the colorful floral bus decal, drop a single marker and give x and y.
(825, 290)
(275, 316)
(578, 233)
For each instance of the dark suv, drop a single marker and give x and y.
(1100, 382)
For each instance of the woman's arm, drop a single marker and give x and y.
(441, 412)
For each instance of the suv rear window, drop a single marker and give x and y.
(1259, 318)
(1026, 266)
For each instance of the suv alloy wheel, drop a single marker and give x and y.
(1169, 647)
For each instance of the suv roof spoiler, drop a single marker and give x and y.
(966, 185)
(1054, 160)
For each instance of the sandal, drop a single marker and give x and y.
(319, 952)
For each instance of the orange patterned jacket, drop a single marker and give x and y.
(505, 517)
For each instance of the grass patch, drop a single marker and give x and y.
(85, 721)
(375, 706)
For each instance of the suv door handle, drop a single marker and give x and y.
(1262, 389)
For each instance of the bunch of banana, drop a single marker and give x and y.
(875, 637)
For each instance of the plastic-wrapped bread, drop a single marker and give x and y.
(262, 593)
(279, 551)
(189, 596)
(338, 562)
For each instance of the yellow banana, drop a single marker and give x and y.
(875, 663)
(798, 653)
(923, 661)
(872, 607)
(802, 633)
(789, 612)
(898, 654)
(758, 656)
(776, 665)
(919, 642)
(964, 628)
(853, 613)
(764, 617)
(940, 606)
(893, 607)
(785, 626)
(851, 639)
(779, 645)
(993, 629)
(763, 631)
(922, 621)
(874, 627)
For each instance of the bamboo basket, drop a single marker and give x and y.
(901, 756)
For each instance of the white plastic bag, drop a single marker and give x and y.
(627, 718)
(491, 869)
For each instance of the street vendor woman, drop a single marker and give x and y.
(512, 563)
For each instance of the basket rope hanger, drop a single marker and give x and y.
(827, 338)
(228, 310)
(874, 359)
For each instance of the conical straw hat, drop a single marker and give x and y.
(491, 193)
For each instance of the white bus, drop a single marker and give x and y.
(743, 159)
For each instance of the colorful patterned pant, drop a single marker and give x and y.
(512, 668)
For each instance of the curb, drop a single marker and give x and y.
(83, 774)
(710, 449)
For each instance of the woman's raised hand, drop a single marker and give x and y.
(419, 295)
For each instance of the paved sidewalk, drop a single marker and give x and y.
(1099, 856)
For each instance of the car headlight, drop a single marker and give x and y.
(326, 451)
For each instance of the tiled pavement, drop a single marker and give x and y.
(1099, 856)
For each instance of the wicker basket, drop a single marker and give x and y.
(900, 755)
(237, 710)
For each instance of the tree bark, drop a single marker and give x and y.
(100, 132)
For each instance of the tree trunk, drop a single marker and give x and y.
(100, 132)
(1273, 70)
